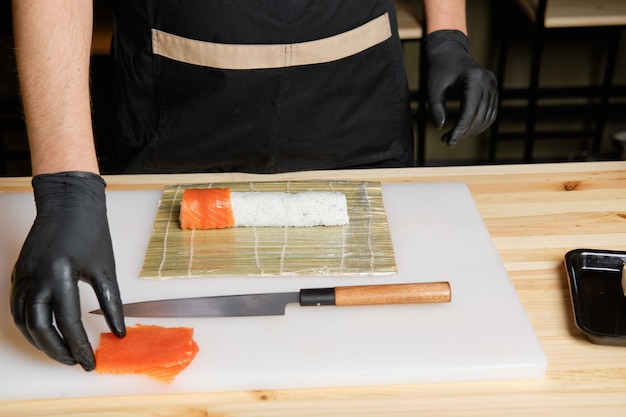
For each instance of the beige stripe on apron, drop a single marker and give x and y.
(245, 57)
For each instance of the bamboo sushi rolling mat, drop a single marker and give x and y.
(363, 247)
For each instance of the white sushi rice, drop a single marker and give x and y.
(311, 208)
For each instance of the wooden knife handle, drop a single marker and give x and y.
(426, 292)
(360, 295)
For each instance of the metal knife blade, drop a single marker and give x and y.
(273, 304)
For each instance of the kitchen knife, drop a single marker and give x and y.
(624, 278)
(273, 304)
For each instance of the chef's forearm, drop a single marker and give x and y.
(445, 14)
(53, 42)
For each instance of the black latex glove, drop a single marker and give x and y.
(69, 241)
(450, 67)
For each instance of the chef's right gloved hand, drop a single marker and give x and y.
(68, 242)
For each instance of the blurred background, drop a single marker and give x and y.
(562, 66)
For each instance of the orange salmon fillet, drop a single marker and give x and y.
(206, 208)
(159, 352)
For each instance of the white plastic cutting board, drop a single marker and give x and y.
(438, 235)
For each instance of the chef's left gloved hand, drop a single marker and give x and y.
(68, 242)
(450, 67)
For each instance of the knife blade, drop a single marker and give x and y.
(273, 304)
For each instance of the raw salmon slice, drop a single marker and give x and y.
(159, 352)
(206, 208)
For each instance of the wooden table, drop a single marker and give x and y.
(535, 213)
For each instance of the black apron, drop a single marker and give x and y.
(258, 86)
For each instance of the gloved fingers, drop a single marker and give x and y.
(480, 119)
(18, 311)
(78, 343)
(67, 315)
(487, 113)
(437, 108)
(108, 294)
(39, 329)
(493, 111)
(464, 124)
(478, 112)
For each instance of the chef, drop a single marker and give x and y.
(206, 86)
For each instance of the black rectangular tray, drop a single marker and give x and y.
(597, 297)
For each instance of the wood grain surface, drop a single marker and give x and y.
(535, 214)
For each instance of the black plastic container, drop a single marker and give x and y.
(595, 281)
